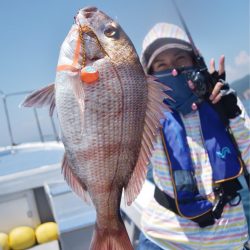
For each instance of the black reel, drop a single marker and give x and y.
(199, 81)
(203, 81)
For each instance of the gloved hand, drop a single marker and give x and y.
(222, 94)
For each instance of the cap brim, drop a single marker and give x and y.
(167, 47)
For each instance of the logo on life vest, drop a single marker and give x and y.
(222, 154)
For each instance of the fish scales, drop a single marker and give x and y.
(110, 134)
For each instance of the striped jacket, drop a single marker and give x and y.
(171, 231)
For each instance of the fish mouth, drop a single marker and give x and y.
(92, 49)
(88, 12)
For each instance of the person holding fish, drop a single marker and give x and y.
(109, 112)
(199, 154)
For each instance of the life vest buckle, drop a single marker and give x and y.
(223, 199)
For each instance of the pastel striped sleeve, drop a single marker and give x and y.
(240, 127)
(161, 168)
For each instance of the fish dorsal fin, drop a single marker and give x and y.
(40, 98)
(154, 114)
(73, 181)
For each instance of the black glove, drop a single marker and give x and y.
(228, 101)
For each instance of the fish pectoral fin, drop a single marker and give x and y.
(154, 113)
(73, 181)
(40, 98)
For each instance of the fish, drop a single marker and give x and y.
(108, 126)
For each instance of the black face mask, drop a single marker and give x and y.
(182, 95)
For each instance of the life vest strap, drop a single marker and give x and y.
(228, 191)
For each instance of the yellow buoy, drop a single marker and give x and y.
(21, 238)
(4, 244)
(46, 232)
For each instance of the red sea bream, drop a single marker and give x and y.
(108, 125)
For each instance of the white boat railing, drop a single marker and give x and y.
(5, 98)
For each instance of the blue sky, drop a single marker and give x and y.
(32, 33)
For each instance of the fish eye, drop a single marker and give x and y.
(111, 30)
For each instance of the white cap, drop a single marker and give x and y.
(161, 37)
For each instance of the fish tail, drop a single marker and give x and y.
(105, 239)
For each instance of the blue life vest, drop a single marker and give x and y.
(222, 154)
